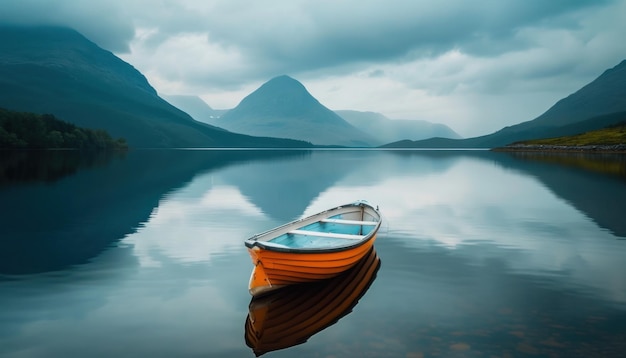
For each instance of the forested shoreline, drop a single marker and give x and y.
(24, 130)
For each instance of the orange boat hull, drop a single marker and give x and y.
(275, 269)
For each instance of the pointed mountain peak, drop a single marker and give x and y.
(283, 108)
(282, 85)
(284, 79)
(280, 96)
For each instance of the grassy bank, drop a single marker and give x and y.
(609, 139)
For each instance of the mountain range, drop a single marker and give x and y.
(58, 71)
(376, 125)
(600, 103)
(390, 130)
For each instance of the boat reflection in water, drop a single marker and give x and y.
(290, 315)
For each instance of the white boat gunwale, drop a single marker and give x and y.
(262, 240)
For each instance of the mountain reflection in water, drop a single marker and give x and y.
(604, 163)
(63, 208)
(592, 182)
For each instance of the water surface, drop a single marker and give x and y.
(481, 253)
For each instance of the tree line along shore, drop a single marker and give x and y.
(24, 130)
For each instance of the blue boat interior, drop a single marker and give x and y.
(325, 234)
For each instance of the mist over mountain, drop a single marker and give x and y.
(282, 107)
(196, 107)
(598, 104)
(58, 71)
(390, 130)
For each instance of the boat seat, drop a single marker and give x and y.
(326, 234)
(273, 244)
(350, 222)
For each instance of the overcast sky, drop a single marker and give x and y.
(475, 66)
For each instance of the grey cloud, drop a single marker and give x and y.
(314, 36)
(376, 73)
(105, 23)
(301, 36)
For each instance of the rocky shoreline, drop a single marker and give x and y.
(616, 148)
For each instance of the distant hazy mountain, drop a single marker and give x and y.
(282, 107)
(196, 107)
(390, 130)
(594, 106)
(58, 71)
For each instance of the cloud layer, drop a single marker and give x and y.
(476, 66)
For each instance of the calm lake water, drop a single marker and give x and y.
(482, 254)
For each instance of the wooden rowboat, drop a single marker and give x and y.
(290, 316)
(314, 248)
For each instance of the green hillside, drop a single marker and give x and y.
(613, 135)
